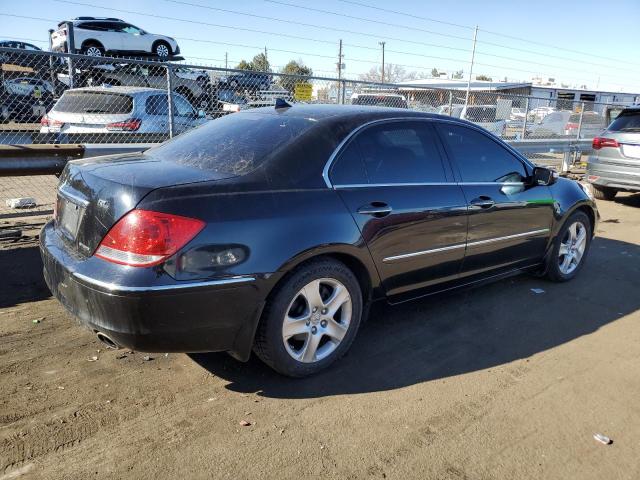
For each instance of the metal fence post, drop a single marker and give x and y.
(71, 48)
(524, 122)
(344, 88)
(170, 100)
(580, 122)
(450, 103)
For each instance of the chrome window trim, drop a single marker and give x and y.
(464, 245)
(112, 287)
(350, 135)
(426, 184)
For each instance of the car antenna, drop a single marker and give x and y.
(282, 103)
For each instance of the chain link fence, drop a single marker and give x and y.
(56, 98)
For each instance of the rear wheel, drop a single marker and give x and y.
(570, 248)
(93, 49)
(604, 193)
(311, 320)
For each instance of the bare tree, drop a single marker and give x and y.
(392, 74)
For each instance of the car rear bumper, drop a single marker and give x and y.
(204, 316)
(621, 177)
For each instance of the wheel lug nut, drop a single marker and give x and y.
(315, 309)
(323, 324)
(308, 323)
(314, 330)
(324, 311)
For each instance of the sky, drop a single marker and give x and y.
(575, 42)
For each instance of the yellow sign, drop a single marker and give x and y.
(303, 91)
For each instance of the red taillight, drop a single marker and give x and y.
(46, 121)
(571, 126)
(143, 238)
(602, 142)
(130, 125)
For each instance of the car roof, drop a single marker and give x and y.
(119, 89)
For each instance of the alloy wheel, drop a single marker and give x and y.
(162, 50)
(572, 247)
(317, 320)
(94, 52)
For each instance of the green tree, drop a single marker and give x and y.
(297, 68)
(259, 63)
(435, 73)
(484, 78)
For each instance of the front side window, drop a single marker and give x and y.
(182, 108)
(480, 158)
(126, 28)
(394, 152)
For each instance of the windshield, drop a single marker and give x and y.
(481, 114)
(232, 145)
(94, 102)
(627, 121)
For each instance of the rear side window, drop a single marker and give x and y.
(479, 157)
(397, 152)
(233, 145)
(627, 121)
(157, 105)
(94, 102)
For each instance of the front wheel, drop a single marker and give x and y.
(570, 248)
(311, 319)
(162, 49)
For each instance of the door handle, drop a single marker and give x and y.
(483, 202)
(377, 209)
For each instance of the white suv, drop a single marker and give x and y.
(95, 36)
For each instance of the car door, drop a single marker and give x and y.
(509, 217)
(132, 39)
(392, 177)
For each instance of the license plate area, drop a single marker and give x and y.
(632, 151)
(69, 216)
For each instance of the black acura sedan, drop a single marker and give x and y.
(274, 229)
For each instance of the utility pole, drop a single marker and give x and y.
(340, 89)
(226, 59)
(340, 60)
(266, 59)
(473, 55)
(382, 44)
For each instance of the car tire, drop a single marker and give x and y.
(162, 49)
(314, 339)
(604, 193)
(570, 248)
(93, 49)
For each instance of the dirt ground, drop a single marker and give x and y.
(493, 383)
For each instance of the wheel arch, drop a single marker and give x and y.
(159, 41)
(92, 41)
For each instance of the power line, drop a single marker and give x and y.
(451, 36)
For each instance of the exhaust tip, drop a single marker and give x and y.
(106, 340)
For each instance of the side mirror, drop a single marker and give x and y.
(544, 176)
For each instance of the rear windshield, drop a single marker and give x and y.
(481, 114)
(94, 102)
(232, 145)
(380, 101)
(627, 121)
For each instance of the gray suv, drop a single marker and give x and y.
(615, 163)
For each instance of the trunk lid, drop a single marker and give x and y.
(94, 194)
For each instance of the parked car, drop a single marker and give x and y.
(23, 59)
(517, 113)
(485, 117)
(539, 113)
(125, 110)
(25, 99)
(379, 100)
(200, 76)
(96, 36)
(247, 80)
(142, 75)
(614, 164)
(566, 123)
(274, 229)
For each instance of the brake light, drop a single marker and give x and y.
(47, 121)
(129, 125)
(143, 238)
(602, 142)
(571, 126)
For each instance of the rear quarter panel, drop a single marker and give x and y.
(277, 229)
